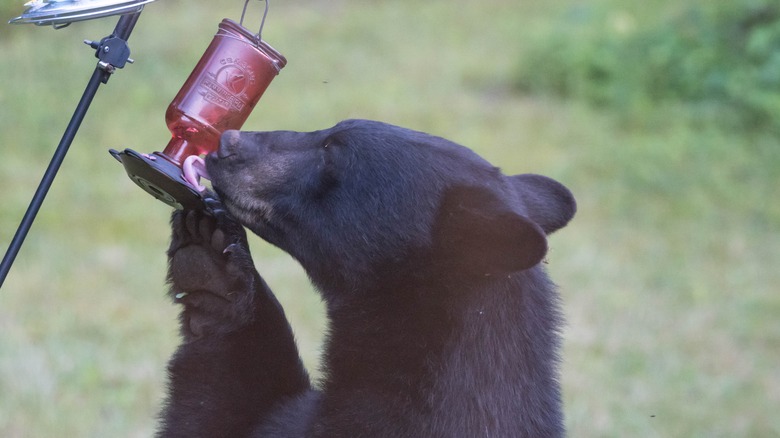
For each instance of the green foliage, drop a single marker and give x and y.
(718, 55)
(9, 10)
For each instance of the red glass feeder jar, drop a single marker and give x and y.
(221, 91)
(219, 94)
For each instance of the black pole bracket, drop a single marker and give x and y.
(112, 51)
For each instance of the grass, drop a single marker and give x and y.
(668, 272)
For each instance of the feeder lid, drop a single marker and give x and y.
(60, 13)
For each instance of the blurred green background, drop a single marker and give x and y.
(661, 116)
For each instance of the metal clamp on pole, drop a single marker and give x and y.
(113, 53)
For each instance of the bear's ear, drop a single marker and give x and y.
(547, 202)
(479, 233)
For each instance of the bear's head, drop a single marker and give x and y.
(365, 202)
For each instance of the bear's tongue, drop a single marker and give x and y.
(194, 167)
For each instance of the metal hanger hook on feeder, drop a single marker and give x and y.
(262, 23)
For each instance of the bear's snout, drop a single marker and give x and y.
(229, 143)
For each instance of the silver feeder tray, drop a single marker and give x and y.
(60, 13)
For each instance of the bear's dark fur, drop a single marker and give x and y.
(442, 321)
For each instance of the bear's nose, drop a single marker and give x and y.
(229, 143)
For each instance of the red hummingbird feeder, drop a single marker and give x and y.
(219, 94)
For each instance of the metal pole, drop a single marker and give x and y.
(101, 75)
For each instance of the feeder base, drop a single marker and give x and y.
(160, 178)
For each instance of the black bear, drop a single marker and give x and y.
(442, 320)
